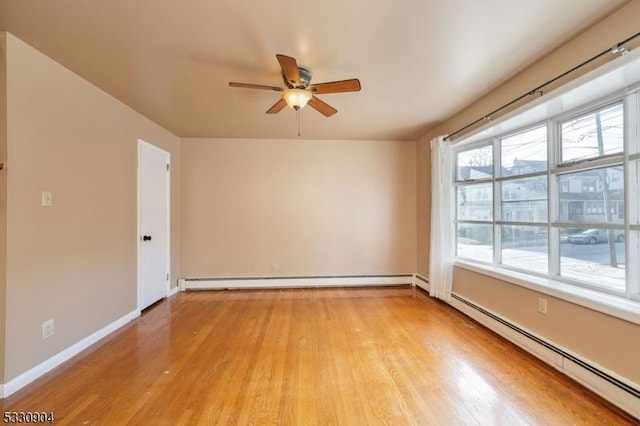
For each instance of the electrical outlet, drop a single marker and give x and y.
(542, 305)
(48, 329)
(275, 267)
(47, 198)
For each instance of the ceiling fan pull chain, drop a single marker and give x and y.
(298, 117)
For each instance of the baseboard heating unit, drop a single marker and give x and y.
(294, 282)
(615, 389)
(421, 282)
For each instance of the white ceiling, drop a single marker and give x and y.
(418, 61)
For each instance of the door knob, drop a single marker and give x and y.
(146, 238)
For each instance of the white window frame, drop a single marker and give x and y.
(625, 305)
(558, 168)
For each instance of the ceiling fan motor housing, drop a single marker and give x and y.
(305, 79)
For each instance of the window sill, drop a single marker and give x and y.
(628, 310)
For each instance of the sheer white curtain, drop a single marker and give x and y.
(442, 227)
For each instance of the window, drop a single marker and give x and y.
(475, 164)
(524, 247)
(593, 135)
(635, 173)
(591, 206)
(588, 184)
(474, 201)
(557, 204)
(595, 209)
(525, 199)
(524, 152)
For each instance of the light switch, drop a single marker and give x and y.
(47, 199)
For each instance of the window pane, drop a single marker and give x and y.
(475, 202)
(635, 172)
(525, 152)
(524, 200)
(593, 135)
(475, 241)
(525, 247)
(592, 195)
(594, 256)
(475, 164)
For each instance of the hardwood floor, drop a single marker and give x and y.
(358, 356)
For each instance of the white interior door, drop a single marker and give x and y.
(153, 224)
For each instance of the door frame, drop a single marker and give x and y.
(167, 155)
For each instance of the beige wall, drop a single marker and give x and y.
(611, 342)
(76, 261)
(3, 198)
(310, 207)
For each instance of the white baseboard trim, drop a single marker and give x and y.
(44, 367)
(422, 282)
(614, 388)
(173, 291)
(294, 282)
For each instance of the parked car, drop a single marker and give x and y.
(593, 236)
(567, 232)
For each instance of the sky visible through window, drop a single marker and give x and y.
(530, 146)
(581, 136)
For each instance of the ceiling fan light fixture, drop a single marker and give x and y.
(296, 98)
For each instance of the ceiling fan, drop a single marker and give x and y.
(299, 90)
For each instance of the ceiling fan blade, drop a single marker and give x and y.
(277, 107)
(352, 85)
(289, 70)
(322, 107)
(255, 86)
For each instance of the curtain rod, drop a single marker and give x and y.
(618, 48)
